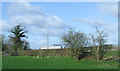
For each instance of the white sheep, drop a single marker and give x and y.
(37, 57)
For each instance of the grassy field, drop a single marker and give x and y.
(112, 53)
(58, 62)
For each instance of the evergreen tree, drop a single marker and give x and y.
(19, 34)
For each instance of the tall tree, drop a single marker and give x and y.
(75, 41)
(19, 34)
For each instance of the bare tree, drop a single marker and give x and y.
(93, 43)
(99, 40)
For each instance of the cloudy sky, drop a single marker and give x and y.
(54, 18)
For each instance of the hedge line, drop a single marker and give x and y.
(52, 52)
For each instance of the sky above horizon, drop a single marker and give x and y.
(54, 18)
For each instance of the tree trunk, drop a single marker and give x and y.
(98, 55)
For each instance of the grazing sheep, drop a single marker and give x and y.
(47, 57)
(37, 57)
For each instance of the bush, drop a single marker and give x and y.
(28, 53)
(14, 53)
(75, 41)
(42, 53)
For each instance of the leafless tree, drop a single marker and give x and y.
(98, 39)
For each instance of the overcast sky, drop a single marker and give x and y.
(54, 18)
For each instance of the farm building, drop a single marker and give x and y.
(52, 47)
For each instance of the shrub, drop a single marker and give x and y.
(42, 53)
(14, 53)
(28, 53)
(75, 41)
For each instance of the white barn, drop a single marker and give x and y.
(52, 47)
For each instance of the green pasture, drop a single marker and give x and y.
(54, 62)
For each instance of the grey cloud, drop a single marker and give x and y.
(24, 7)
(33, 16)
(108, 8)
(98, 22)
(40, 21)
(94, 22)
